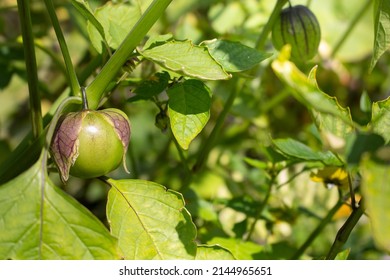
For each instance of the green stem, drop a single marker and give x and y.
(270, 23)
(262, 207)
(345, 231)
(317, 231)
(71, 73)
(351, 26)
(29, 150)
(31, 67)
(96, 89)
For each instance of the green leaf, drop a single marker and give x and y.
(150, 221)
(380, 120)
(376, 190)
(297, 150)
(149, 88)
(116, 20)
(83, 8)
(382, 30)
(49, 224)
(186, 59)
(156, 40)
(242, 250)
(333, 121)
(234, 56)
(213, 252)
(189, 110)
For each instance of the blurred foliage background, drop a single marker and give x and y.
(223, 197)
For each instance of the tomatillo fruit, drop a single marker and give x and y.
(299, 27)
(89, 144)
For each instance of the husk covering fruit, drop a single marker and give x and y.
(298, 27)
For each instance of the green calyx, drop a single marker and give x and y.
(89, 144)
(298, 27)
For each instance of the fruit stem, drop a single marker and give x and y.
(319, 229)
(268, 26)
(70, 70)
(84, 97)
(344, 232)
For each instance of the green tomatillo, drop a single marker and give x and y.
(89, 144)
(298, 27)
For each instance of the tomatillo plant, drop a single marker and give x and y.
(90, 143)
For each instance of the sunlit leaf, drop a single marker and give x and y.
(376, 190)
(382, 30)
(116, 20)
(213, 252)
(40, 221)
(189, 110)
(186, 59)
(150, 221)
(380, 120)
(234, 56)
(333, 121)
(83, 8)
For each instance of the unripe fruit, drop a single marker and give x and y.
(89, 143)
(299, 27)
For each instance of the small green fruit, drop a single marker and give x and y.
(89, 143)
(299, 27)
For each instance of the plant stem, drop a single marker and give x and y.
(345, 231)
(327, 219)
(31, 67)
(262, 206)
(71, 73)
(270, 23)
(96, 89)
(351, 26)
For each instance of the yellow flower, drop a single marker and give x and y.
(331, 177)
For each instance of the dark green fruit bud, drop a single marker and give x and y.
(298, 27)
(89, 143)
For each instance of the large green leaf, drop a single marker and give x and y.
(116, 20)
(382, 30)
(189, 110)
(234, 56)
(376, 190)
(187, 59)
(333, 121)
(40, 221)
(150, 221)
(380, 120)
(213, 252)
